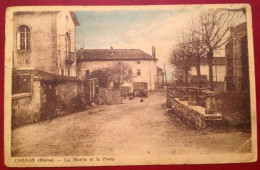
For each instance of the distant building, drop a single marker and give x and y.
(45, 41)
(219, 68)
(160, 78)
(237, 72)
(142, 64)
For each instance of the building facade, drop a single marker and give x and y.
(219, 69)
(45, 41)
(236, 51)
(143, 65)
(160, 78)
(44, 82)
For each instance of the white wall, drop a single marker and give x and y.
(147, 67)
(204, 70)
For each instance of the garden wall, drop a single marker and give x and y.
(61, 98)
(108, 96)
(48, 99)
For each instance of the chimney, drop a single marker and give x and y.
(153, 52)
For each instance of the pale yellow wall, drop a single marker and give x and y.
(41, 54)
(65, 24)
(47, 45)
(148, 70)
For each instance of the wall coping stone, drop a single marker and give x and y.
(21, 95)
(201, 110)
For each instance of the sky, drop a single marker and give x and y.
(134, 29)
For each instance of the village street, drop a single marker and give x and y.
(133, 127)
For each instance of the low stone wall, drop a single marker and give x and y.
(23, 110)
(188, 114)
(108, 96)
(50, 96)
(191, 114)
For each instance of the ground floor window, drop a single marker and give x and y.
(140, 85)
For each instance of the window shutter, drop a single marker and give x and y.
(18, 38)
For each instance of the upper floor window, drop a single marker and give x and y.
(138, 62)
(23, 38)
(139, 72)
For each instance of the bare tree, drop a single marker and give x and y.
(194, 46)
(214, 32)
(189, 50)
(119, 73)
(181, 61)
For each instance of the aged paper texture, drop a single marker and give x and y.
(129, 85)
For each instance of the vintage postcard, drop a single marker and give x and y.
(129, 85)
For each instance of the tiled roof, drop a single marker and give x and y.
(112, 54)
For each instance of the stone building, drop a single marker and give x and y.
(142, 64)
(44, 83)
(236, 51)
(45, 41)
(160, 78)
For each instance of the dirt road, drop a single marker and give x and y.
(133, 127)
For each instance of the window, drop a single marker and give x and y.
(140, 85)
(87, 73)
(68, 70)
(138, 62)
(139, 72)
(23, 38)
(62, 72)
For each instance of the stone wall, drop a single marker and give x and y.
(61, 98)
(22, 110)
(108, 96)
(26, 106)
(48, 99)
(190, 112)
(191, 115)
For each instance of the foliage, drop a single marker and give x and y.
(117, 74)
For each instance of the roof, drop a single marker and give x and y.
(74, 18)
(112, 54)
(215, 61)
(159, 68)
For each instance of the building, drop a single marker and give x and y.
(236, 51)
(44, 81)
(45, 41)
(143, 65)
(219, 68)
(160, 78)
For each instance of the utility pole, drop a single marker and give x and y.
(165, 77)
(121, 81)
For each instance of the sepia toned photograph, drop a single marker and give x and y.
(129, 85)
